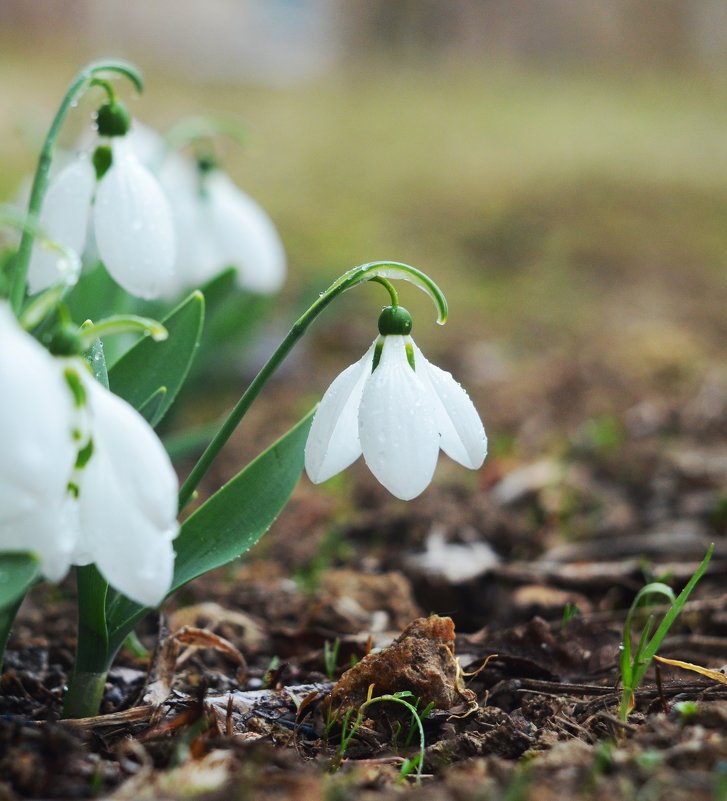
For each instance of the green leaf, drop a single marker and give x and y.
(96, 295)
(239, 513)
(230, 522)
(93, 630)
(17, 572)
(149, 366)
(152, 409)
(232, 316)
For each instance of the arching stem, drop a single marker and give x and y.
(83, 80)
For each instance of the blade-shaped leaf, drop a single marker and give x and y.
(230, 522)
(17, 572)
(147, 367)
(97, 295)
(152, 409)
(232, 316)
(239, 513)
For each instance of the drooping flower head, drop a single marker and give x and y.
(112, 191)
(398, 410)
(83, 477)
(217, 225)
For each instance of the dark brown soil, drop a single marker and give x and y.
(531, 565)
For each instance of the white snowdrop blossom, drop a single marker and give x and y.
(126, 508)
(83, 477)
(217, 224)
(398, 410)
(38, 449)
(130, 219)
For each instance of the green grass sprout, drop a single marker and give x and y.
(635, 663)
(348, 729)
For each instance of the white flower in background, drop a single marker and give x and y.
(129, 214)
(217, 225)
(398, 410)
(83, 477)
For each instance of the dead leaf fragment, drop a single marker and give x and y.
(421, 660)
(716, 675)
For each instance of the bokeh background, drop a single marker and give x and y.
(559, 168)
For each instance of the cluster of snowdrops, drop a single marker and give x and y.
(84, 479)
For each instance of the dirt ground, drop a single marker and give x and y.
(504, 594)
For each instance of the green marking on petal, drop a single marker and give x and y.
(84, 455)
(410, 356)
(377, 354)
(74, 383)
(102, 160)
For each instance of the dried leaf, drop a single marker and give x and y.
(717, 675)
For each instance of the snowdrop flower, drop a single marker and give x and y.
(37, 425)
(126, 507)
(217, 225)
(131, 220)
(83, 477)
(398, 410)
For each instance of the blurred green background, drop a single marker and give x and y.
(559, 169)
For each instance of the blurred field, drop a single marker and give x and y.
(576, 220)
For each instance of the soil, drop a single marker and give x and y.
(495, 603)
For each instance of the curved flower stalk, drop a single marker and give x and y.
(83, 477)
(217, 225)
(398, 410)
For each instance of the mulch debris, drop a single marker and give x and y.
(530, 570)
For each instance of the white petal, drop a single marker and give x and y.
(245, 236)
(63, 219)
(148, 146)
(133, 226)
(128, 501)
(199, 257)
(397, 428)
(38, 451)
(333, 442)
(462, 432)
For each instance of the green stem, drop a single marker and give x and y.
(393, 294)
(122, 324)
(93, 654)
(85, 693)
(366, 272)
(7, 618)
(78, 86)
